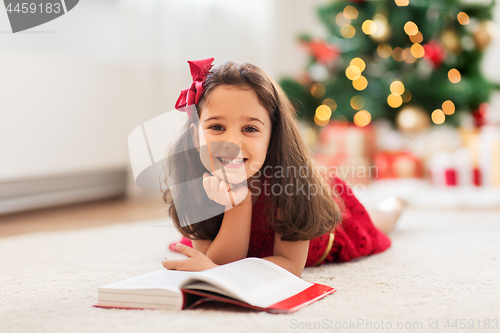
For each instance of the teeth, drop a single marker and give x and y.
(232, 162)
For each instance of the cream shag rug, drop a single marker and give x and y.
(442, 266)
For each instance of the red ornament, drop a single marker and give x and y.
(323, 52)
(480, 114)
(435, 53)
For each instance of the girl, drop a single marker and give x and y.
(283, 210)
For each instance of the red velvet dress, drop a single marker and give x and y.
(355, 237)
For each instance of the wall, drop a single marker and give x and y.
(73, 89)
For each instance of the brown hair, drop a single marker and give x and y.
(303, 216)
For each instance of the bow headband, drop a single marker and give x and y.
(191, 96)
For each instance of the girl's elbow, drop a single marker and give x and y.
(299, 270)
(298, 273)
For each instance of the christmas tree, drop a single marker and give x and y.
(413, 62)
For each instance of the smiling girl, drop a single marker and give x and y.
(266, 212)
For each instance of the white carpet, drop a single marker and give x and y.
(441, 266)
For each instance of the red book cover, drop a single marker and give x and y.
(192, 298)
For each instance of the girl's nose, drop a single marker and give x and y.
(231, 146)
(232, 141)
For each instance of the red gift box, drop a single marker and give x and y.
(397, 164)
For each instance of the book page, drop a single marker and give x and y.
(253, 280)
(161, 279)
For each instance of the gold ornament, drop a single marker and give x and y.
(412, 118)
(484, 33)
(451, 41)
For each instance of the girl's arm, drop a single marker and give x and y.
(291, 255)
(233, 238)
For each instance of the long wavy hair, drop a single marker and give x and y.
(302, 216)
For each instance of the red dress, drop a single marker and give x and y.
(355, 237)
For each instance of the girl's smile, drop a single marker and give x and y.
(231, 162)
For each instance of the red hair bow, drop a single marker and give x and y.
(192, 95)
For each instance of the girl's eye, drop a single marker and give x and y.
(251, 129)
(216, 127)
(220, 128)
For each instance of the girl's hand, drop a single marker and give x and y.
(197, 261)
(217, 190)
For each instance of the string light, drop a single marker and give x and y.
(317, 90)
(323, 112)
(406, 96)
(409, 58)
(357, 102)
(347, 31)
(362, 118)
(360, 83)
(417, 38)
(454, 75)
(358, 62)
(401, 3)
(437, 116)
(352, 72)
(369, 27)
(394, 100)
(399, 54)
(321, 122)
(448, 107)
(410, 28)
(397, 87)
(330, 103)
(383, 31)
(412, 118)
(350, 12)
(341, 20)
(384, 50)
(417, 50)
(463, 18)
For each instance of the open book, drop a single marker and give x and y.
(251, 282)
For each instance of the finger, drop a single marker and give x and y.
(214, 184)
(187, 250)
(224, 186)
(224, 197)
(171, 264)
(184, 265)
(206, 187)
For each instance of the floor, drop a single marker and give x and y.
(81, 216)
(97, 213)
(442, 268)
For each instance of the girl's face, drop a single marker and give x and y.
(238, 129)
